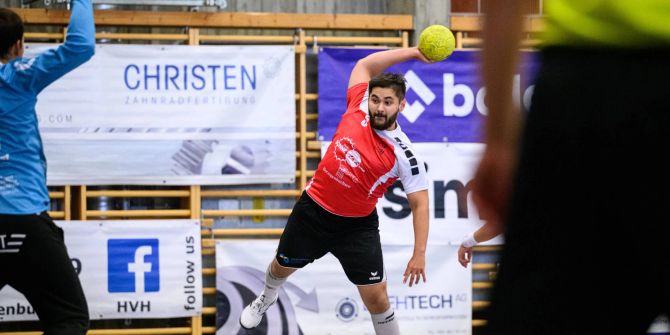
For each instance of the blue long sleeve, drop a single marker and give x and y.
(79, 47)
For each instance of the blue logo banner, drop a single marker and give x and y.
(133, 265)
(445, 100)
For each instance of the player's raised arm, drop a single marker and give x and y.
(78, 48)
(377, 62)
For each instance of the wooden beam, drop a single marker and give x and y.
(487, 248)
(67, 202)
(484, 266)
(302, 113)
(248, 232)
(247, 38)
(472, 23)
(141, 213)
(225, 19)
(481, 285)
(478, 323)
(313, 145)
(249, 193)
(195, 204)
(356, 40)
(56, 195)
(139, 193)
(480, 305)
(246, 212)
(466, 23)
(57, 215)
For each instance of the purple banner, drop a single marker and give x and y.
(445, 100)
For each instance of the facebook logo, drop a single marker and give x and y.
(132, 265)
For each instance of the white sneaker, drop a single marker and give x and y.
(253, 314)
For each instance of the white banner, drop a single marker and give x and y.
(181, 115)
(451, 167)
(129, 269)
(319, 299)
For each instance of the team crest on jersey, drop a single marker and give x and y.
(353, 158)
(346, 152)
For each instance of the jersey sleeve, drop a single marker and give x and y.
(37, 73)
(412, 172)
(357, 95)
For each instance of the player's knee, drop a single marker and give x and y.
(380, 306)
(378, 303)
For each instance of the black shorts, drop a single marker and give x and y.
(311, 232)
(34, 261)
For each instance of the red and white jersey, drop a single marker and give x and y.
(362, 162)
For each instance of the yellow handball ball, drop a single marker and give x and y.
(437, 42)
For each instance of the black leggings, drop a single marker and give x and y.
(36, 263)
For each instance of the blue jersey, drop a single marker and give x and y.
(23, 166)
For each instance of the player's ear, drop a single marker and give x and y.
(16, 50)
(402, 104)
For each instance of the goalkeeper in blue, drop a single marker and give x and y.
(33, 256)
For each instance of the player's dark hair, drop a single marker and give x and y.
(11, 30)
(395, 81)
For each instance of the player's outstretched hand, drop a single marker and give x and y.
(416, 269)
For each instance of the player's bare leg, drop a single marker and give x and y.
(376, 300)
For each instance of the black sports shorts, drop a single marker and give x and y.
(311, 232)
(34, 261)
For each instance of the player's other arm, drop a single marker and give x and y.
(416, 268)
(376, 63)
(486, 232)
(78, 48)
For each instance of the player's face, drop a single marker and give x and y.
(383, 108)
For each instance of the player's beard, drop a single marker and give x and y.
(385, 124)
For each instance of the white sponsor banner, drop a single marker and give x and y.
(181, 115)
(319, 299)
(451, 167)
(129, 269)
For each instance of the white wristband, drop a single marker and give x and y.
(469, 241)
